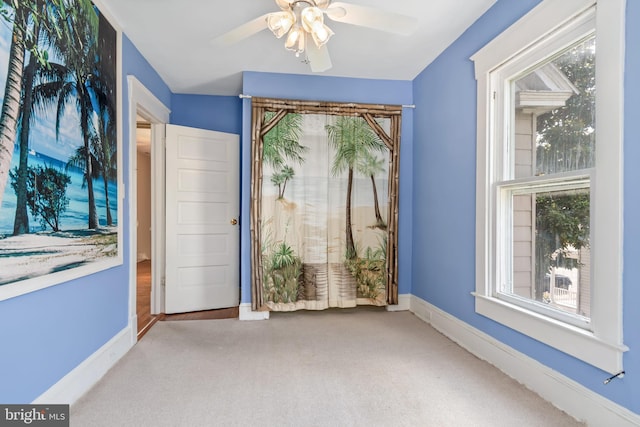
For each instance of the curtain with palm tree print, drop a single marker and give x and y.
(322, 206)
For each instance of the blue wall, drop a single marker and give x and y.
(316, 88)
(219, 113)
(133, 63)
(46, 334)
(627, 393)
(444, 198)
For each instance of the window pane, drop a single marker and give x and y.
(551, 255)
(554, 107)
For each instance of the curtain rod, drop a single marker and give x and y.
(243, 96)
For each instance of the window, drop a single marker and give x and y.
(549, 178)
(544, 185)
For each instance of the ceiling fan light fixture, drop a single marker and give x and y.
(296, 40)
(322, 35)
(280, 22)
(313, 23)
(300, 20)
(311, 16)
(322, 4)
(284, 4)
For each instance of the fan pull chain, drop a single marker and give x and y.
(618, 375)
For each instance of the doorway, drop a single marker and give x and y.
(144, 107)
(152, 114)
(143, 232)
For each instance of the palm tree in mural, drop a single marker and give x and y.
(77, 83)
(103, 149)
(102, 154)
(43, 30)
(21, 219)
(282, 144)
(370, 165)
(9, 115)
(352, 138)
(281, 178)
(103, 141)
(20, 14)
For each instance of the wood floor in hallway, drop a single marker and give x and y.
(143, 304)
(143, 298)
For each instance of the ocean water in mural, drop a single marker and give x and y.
(75, 216)
(324, 213)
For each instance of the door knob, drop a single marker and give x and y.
(234, 221)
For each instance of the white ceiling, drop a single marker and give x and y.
(177, 40)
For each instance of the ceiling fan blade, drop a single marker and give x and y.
(242, 32)
(319, 59)
(377, 19)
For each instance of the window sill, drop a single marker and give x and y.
(579, 343)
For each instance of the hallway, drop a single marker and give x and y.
(143, 298)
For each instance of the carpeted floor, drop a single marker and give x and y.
(354, 367)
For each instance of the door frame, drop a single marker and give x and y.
(142, 102)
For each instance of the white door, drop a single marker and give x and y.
(202, 206)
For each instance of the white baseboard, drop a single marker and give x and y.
(404, 303)
(133, 322)
(84, 376)
(245, 313)
(564, 393)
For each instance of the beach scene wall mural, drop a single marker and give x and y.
(58, 144)
(324, 212)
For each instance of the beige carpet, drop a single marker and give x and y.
(355, 367)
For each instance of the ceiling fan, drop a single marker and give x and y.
(302, 22)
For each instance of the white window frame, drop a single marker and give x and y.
(570, 181)
(547, 28)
